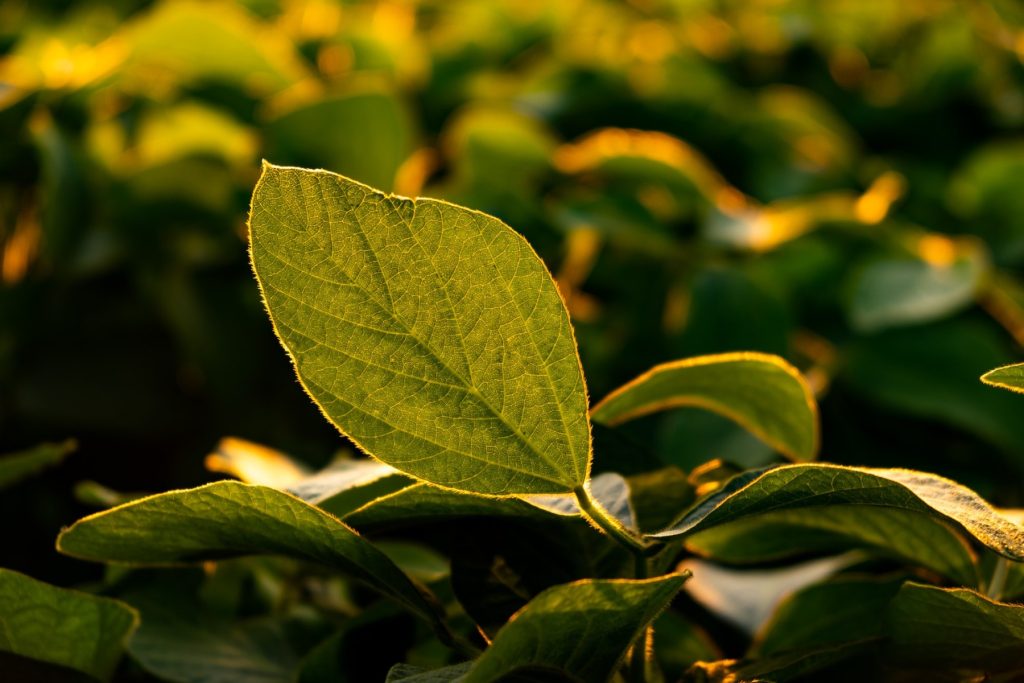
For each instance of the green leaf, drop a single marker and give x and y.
(906, 291)
(915, 538)
(786, 666)
(806, 494)
(24, 464)
(839, 610)
(349, 485)
(581, 628)
(944, 628)
(761, 392)
(679, 643)
(63, 627)
(431, 335)
(404, 673)
(1007, 377)
(227, 519)
(319, 135)
(181, 640)
(422, 503)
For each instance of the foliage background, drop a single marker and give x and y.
(838, 182)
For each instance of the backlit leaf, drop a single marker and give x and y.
(227, 519)
(62, 627)
(1007, 377)
(582, 628)
(431, 335)
(817, 491)
(761, 392)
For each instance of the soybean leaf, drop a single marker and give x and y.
(24, 464)
(905, 291)
(788, 666)
(816, 488)
(581, 628)
(180, 640)
(66, 628)
(227, 519)
(349, 485)
(915, 538)
(431, 335)
(405, 673)
(254, 463)
(422, 503)
(841, 609)
(761, 392)
(954, 628)
(679, 643)
(1007, 377)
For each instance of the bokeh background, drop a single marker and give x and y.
(837, 181)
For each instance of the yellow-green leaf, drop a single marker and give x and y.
(761, 392)
(1007, 377)
(431, 335)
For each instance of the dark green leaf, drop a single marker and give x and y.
(62, 627)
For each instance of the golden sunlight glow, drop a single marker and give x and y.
(938, 250)
(873, 206)
(21, 248)
(254, 463)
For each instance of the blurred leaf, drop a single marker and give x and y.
(763, 393)
(581, 628)
(63, 627)
(254, 464)
(227, 519)
(930, 371)
(786, 666)
(15, 467)
(181, 641)
(449, 405)
(223, 42)
(679, 643)
(905, 291)
(323, 134)
(1007, 377)
(954, 628)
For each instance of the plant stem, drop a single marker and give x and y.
(606, 522)
(998, 581)
(611, 526)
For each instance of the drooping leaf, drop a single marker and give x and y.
(581, 628)
(761, 392)
(227, 519)
(1007, 377)
(818, 490)
(954, 628)
(67, 628)
(915, 538)
(432, 335)
(24, 464)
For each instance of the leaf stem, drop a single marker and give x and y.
(638, 660)
(607, 523)
(997, 583)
